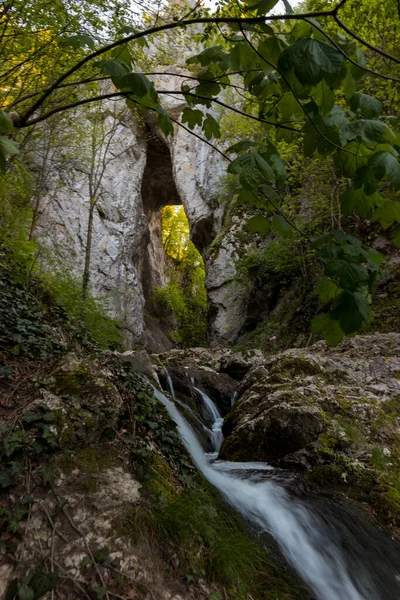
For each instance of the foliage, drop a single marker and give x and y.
(305, 80)
(36, 288)
(184, 298)
(211, 542)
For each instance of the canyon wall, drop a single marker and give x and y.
(136, 172)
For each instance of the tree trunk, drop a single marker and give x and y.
(86, 271)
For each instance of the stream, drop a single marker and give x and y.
(336, 552)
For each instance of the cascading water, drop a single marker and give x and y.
(214, 418)
(315, 544)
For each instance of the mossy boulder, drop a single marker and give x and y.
(319, 406)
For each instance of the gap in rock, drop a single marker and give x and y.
(173, 275)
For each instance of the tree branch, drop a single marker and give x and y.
(166, 27)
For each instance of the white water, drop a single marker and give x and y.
(299, 533)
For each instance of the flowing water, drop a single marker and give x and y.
(336, 553)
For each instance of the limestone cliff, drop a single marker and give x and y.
(139, 172)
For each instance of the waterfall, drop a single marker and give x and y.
(234, 398)
(305, 538)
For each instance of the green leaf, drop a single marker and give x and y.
(80, 40)
(258, 224)
(362, 61)
(272, 48)
(243, 57)
(353, 311)
(252, 170)
(365, 105)
(115, 68)
(208, 89)
(25, 593)
(367, 130)
(211, 127)
(312, 60)
(278, 166)
(388, 213)
(192, 117)
(385, 166)
(365, 178)
(141, 88)
(302, 29)
(241, 146)
(327, 290)
(6, 479)
(7, 146)
(281, 226)
(211, 55)
(41, 583)
(164, 122)
(352, 162)
(359, 202)
(350, 275)
(324, 96)
(329, 327)
(261, 6)
(395, 235)
(6, 124)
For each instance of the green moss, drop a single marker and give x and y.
(88, 460)
(161, 483)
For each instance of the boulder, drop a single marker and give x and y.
(313, 405)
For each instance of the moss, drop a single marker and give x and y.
(74, 382)
(88, 460)
(161, 483)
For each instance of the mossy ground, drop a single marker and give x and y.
(363, 462)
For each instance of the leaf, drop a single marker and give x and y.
(41, 583)
(241, 146)
(211, 127)
(80, 40)
(365, 178)
(192, 117)
(8, 146)
(329, 327)
(114, 68)
(262, 6)
(243, 57)
(214, 54)
(353, 311)
(388, 213)
(25, 593)
(281, 226)
(164, 122)
(258, 224)
(359, 202)
(6, 479)
(395, 235)
(350, 275)
(279, 167)
(324, 96)
(302, 29)
(327, 290)
(367, 130)
(141, 88)
(272, 48)
(352, 162)
(365, 105)
(252, 170)
(6, 124)
(312, 60)
(385, 166)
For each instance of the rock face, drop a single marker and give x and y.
(303, 405)
(138, 172)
